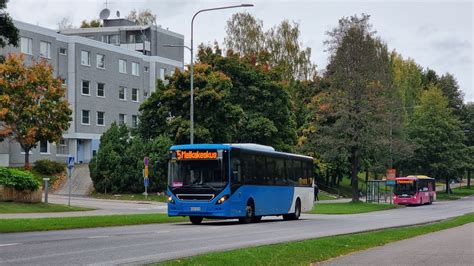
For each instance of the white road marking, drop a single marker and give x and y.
(159, 232)
(11, 244)
(94, 237)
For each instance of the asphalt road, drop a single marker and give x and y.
(454, 246)
(148, 243)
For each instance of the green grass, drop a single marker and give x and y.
(61, 223)
(323, 195)
(349, 208)
(316, 250)
(138, 197)
(16, 207)
(457, 193)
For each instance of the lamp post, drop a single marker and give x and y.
(191, 49)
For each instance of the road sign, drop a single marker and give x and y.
(70, 161)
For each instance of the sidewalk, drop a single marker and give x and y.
(103, 206)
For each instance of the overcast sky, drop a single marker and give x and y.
(436, 34)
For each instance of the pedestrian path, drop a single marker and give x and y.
(102, 206)
(453, 246)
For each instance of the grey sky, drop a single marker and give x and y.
(436, 34)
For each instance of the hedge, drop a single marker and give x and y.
(18, 179)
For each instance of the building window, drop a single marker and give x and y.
(145, 94)
(123, 93)
(134, 121)
(45, 49)
(100, 61)
(100, 90)
(146, 69)
(62, 51)
(100, 118)
(135, 95)
(123, 66)
(44, 147)
(62, 147)
(122, 119)
(85, 117)
(86, 87)
(26, 45)
(135, 69)
(85, 58)
(63, 83)
(111, 39)
(162, 73)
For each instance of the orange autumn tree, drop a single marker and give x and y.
(32, 103)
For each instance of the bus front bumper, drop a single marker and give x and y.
(405, 201)
(192, 208)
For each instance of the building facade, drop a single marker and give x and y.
(106, 79)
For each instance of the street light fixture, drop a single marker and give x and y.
(191, 49)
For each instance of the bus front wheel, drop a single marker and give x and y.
(195, 219)
(249, 214)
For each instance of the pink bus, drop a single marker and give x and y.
(414, 190)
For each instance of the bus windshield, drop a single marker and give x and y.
(405, 188)
(202, 173)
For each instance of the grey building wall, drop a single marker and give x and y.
(82, 139)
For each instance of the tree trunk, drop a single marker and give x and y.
(469, 178)
(27, 159)
(354, 172)
(327, 177)
(366, 176)
(448, 190)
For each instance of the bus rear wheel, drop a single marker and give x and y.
(195, 219)
(296, 214)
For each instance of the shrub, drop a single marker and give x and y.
(18, 179)
(48, 167)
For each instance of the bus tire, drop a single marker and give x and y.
(195, 219)
(249, 214)
(421, 201)
(256, 219)
(431, 200)
(296, 214)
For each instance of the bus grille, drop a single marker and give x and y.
(202, 197)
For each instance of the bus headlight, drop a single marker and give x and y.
(222, 199)
(170, 199)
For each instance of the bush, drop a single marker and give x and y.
(48, 167)
(18, 179)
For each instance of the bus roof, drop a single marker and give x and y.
(243, 146)
(413, 177)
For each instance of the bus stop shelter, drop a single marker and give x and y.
(378, 191)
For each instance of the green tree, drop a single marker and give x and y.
(352, 115)
(279, 48)
(8, 32)
(93, 23)
(467, 118)
(118, 165)
(245, 34)
(142, 17)
(32, 104)
(450, 88)
(438, 137)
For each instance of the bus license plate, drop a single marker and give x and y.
(196, 209)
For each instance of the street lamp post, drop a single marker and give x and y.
(191, 49)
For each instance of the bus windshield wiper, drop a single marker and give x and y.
(206, 184)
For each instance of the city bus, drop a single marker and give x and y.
(414, 190)
(238, 181)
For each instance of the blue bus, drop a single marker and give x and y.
(243, 181)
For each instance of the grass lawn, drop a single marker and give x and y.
(46, 224)
(457, 193)
(316, 250)
(350, 208)
(138, 196)
(16, 207)
(323, 195)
